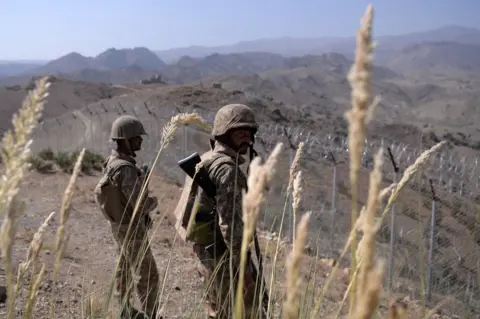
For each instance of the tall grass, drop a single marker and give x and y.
(366, 269)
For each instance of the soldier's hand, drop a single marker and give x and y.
(148, 221)
(249, 280)
(145, 169)
(152, 203)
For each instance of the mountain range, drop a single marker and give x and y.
(450, 48)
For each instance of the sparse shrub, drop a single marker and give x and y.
(47, 161)
(91, 161)
(14, 87)
(64, 161)
(41, 165)
(47, 155)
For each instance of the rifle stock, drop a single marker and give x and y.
(188, 165)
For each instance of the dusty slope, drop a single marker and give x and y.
(65, 96)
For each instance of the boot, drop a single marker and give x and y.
(130, 312)
(209, 311)
(154, 313)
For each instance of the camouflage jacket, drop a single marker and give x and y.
(128, 181)
(229, 180)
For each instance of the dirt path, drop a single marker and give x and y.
(88, 263)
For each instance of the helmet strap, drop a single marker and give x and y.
(253, 154)
(252, 151)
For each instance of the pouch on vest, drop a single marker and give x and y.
(111, 200)
(202, 227)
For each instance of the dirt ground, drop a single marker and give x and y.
(88, 262)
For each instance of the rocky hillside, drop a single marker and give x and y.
(65, 96)
(437, 57)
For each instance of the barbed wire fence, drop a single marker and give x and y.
(439, 205)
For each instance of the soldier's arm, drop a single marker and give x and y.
(229, 207)
(127, 179)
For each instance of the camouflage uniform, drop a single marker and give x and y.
(116, 194)
(222, 164)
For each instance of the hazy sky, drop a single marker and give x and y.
(50, 28)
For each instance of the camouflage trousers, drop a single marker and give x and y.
(219, 290)
(136, 258)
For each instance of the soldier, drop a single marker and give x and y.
(117, 193)
(233, 135)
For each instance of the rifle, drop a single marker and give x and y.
(200, 176)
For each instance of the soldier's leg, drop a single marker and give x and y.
(216, 283)
(225, 290)
(126, 264)
(140, 258)
(123, 284)
(123, 279)
(147, 284)
(255, 304)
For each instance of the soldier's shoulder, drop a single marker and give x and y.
(124, 169)
(220, 160)
(225, 169)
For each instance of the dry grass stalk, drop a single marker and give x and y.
(16, 145)
(359, 78)
(37, 241)
(391, 189)
(347, 292)
(64, 215)
(32, 293)
(410, 172)
(182, 119)
(296, 194)
(32, 255)
(370, 274)
(294, 168)
(15, 155)
(357, 118)
(291, 304)
(258, 183)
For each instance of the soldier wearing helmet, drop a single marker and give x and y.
(116, 194)
(232, 136)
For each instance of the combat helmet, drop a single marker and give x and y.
(126, 127)
(233, 116)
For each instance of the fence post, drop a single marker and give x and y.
(90, 128)
(334, 203)
(49, 145)
(391, 254)
(57, 139)
(432, 242)
(290, 203)
(185, 144)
